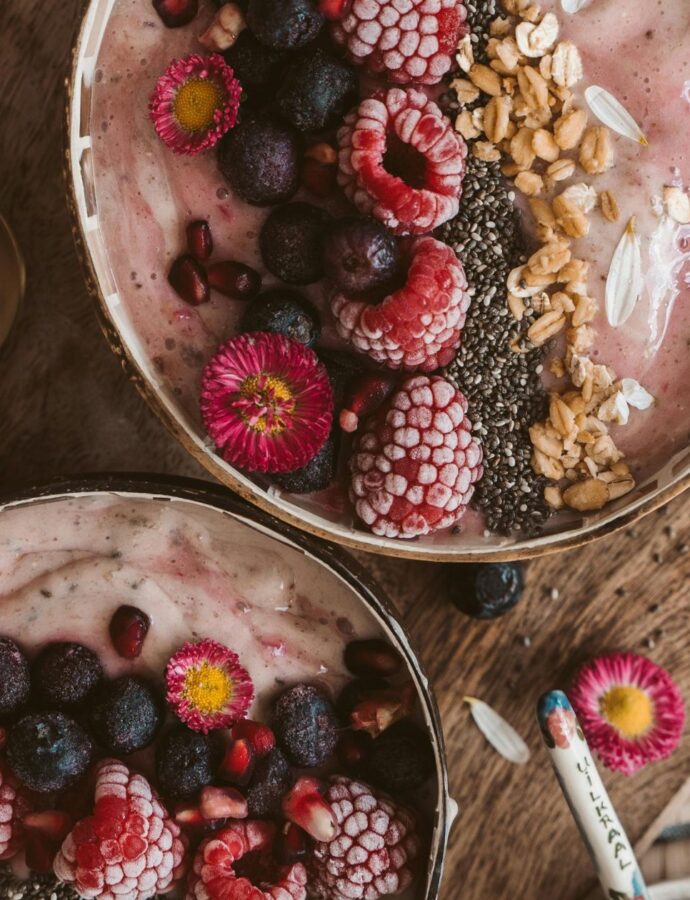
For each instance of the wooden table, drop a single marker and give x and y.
(66, 408)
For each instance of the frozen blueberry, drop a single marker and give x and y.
(48, 751)
(291, 242)
(318, 473)
(260, 159)
(253, 63)
(64, 675)
(287, 24)
(316, 91)
(125, 714)
(185, 762)
(286, 312)
(272, 779)
(400, 759)
(486, 590)
(305, 725)
(360, 255)
(14, 677)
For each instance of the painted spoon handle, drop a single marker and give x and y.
(600, 827)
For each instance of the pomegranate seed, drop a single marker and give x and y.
(188, 279)
(259, 735)
(292, 844)
(382, 709)
(372, 657)
(365, 396)
(175, 13)
(222, 803)
(334, 9)
(188, 815)
(238, 763)
(353, 748)
(304, 806)
(199, 239)
(51, 823)
(234, 280)
(317, 177)
(128, 629)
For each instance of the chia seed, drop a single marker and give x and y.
(36, 887)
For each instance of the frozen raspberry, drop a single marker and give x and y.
(128, 847)
(370, 855)
(415, 463)
(408, 41)
(215, 875)
(417, 326)
(401, 161)
(12, 807)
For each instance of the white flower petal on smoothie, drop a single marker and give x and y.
(624, 280)
(635, 395)
(502, 736)
(573, 6)
(613, 114)
(677, 204)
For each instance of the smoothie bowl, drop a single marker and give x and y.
(198, 701)
(410, 274)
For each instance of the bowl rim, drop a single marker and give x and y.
(303, 520)
(172, 488)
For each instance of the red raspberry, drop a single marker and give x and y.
(129, 846)
(415, 462)
(12, 808)
(418, 326)
(370, 855)
(405, 40)
(401, 161)
(214, 878)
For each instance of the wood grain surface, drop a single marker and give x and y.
(66, 407)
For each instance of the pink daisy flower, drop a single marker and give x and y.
(630, 709)
(267, 402)
(207, 686)
(195, 102)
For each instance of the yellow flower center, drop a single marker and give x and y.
(195, 103)
(266, 403)
(207, 688)
(629, 709)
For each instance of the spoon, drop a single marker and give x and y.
(12, 280)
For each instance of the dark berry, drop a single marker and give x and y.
(353, 748)
(283, 312)
(401, 758)
(342, 367)
(125, 714)
(185, 762)
(272, 778)
(372, 657)
(360, 255)
(486, 590)
(355, 692)
(65, 675)
(316, 91)
(286, 24)
(176, 13)
(48, 751)
(14, 677)
(318, 473)
(260, 160)
(253, 63)
(128, 629)
(234, 280)
(291, 242)
(364, 396)
(305, 725)
(292, 844)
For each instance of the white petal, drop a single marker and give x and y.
(624, 280)
(502, 736)
(635, 394)
(612, 113)
(573, 6)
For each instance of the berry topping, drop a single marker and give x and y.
(292, 844)
(305, 806)
(14, 677)
(195, 103)
(260, 160)
(254, 64)
(188, 279)
(318, 473)
(215, 874)
(200, 239)
(51, 823)
(407, 41)
(291, 242)
(267, 402)
(355, 692)
(185, 762)
(207, 686)
(128, 847)
(128, 629)
(372, 657)
(259, 735)
(381, 709)
(487, 590)
(316, 91)
(222, 803)
(365, 395)
(401, 759)
(415, 462)
(285, 312)
(234, 280)
(175, 13)
(373, 848)
(334, 9)
(48, 751)
(401, 161)
(286, 24)
(419, 325)
(12, 808)
(305, 725)
(360, 255)
(353, 748)
(125, 714)
(272, 778)
(238, 763)
(65, 675)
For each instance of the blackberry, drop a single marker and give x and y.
(272, 779)
(48, 751)
(253, 63)
(360, 255)
(401, 759)
(291, 242)
(285, 312)
(125, 714)
(14, 677)
(486, 590)
(316, 91)
(286, 24)
(305, 725)
(355, 692)
(64, 675)
(260, 159)
(185, 762)
(318, 473)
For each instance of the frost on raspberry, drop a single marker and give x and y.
(417, 326)
(408, 41)
(401, 161)
(415, 463)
